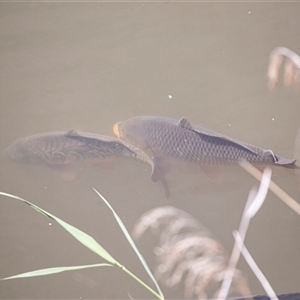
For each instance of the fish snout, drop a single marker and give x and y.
(6, 153)
(12, 152)
(117, 130)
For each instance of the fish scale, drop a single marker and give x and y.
(183, 141)
(61, 149)
(167, 137)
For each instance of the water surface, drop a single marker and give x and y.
(89, 65)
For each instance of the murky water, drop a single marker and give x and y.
(89, 65)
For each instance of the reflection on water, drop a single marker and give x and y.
(89, 65)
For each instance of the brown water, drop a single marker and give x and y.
(89, 65)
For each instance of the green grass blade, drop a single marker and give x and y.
(50, 271)
(81, 236)
(85, 239)
(131, 242)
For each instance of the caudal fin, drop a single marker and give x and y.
(286, 163)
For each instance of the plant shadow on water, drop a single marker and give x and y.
(186, 251)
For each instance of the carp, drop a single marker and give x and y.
(60, 150)
(166, 137)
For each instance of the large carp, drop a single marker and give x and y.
(184, 141)
(60, 150)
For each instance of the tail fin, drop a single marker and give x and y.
(286, 163)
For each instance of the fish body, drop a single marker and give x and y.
(59, 149)
(184, 141)
(49, 148)
(105, 146)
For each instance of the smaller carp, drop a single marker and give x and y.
(105, 146)
(60, 150)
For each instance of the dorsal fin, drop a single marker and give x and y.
(184, 123)
(72, 132)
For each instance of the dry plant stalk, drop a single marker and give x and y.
(254, 202)
(187, 251)
(281, 194)
(291, 67)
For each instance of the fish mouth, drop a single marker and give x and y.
(116, 130)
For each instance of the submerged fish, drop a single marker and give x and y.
(60, 150)
(184, 141)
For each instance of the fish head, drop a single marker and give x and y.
(20, 152)
(130, 130)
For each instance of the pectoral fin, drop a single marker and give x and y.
(157, 175)
(212, 172)
(103, 163)
(66, 172)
